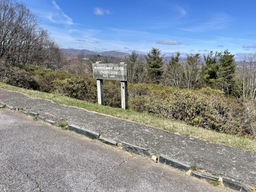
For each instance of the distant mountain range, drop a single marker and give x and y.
(85, 52)
(118, 54)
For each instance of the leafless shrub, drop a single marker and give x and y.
(251, 115)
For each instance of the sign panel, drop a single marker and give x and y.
(110, 71)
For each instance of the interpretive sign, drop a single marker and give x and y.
(110, 71)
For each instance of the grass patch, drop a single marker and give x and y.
(172, 126)
(63, 126)
(193, 167)
(214, 183)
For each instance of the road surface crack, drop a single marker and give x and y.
(28, 175)
(37, 185)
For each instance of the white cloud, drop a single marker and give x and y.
(203, 51)
(217, 22)
(181, 11)
(168, 42)
(249, 46)
(58, 16)
(99, 11)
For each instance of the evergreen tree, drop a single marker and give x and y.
(226, 75)
(154, 66)
(219, 71)
(210, 70)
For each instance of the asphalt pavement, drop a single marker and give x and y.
(234, 168)
(36, 157)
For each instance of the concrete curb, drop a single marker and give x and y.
(10, 107)
(2, 105)
(205, 176)
(41, 117)
(52, 122)
(107, 141)
(136, 149)
(86, 132)
(164, 159)
(33, 114)
(227, 182)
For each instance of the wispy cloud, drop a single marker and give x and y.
(251, 35)
(68, 37)
(181, 10)
(168, 42)
(217, 22)
(203, 51)
(58, 15)
(249, 46)
(100, 12)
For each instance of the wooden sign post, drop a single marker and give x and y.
(110, 71)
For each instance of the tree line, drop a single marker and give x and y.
(217, 70)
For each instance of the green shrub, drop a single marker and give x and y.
(138, 104)
(46, 78)
(18, 77)
(206, 108)
(112, 93)
(76, 87)
(250, 116)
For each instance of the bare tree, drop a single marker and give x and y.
(173, 72)
(22, 40)
(136, 68)
(192, 71)
(246, 72)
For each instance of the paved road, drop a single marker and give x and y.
(38, 157)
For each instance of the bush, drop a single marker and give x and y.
(112, 93)
(46, 78)
(76, 87)
(17, 77)
(206, 108)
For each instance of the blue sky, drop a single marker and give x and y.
(197, 26)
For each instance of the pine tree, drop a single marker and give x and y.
(210, 70)
(154, 66)
(226, 75)
(219, 71)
